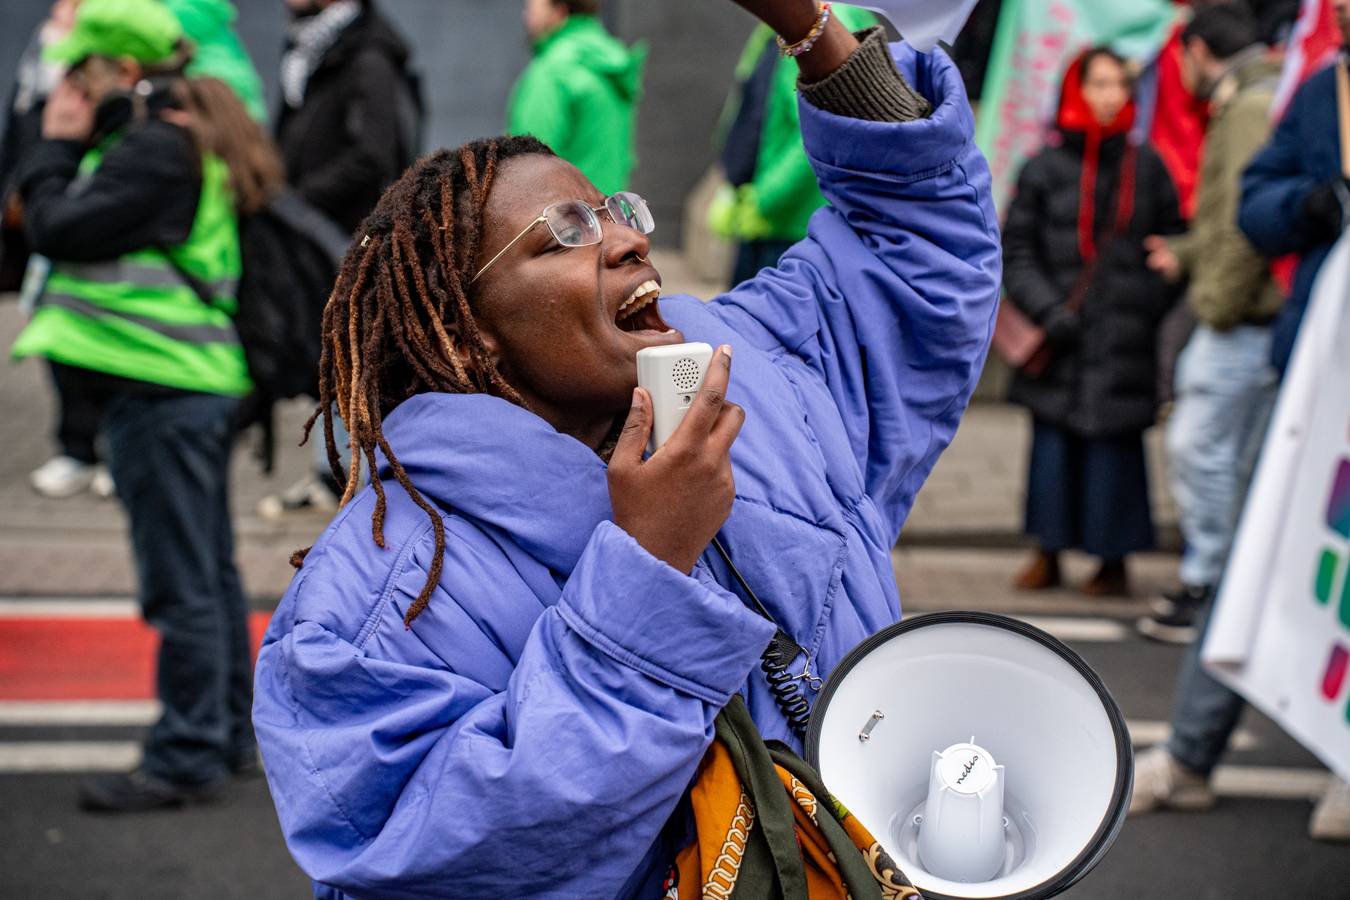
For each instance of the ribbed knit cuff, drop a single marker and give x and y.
(868, 85)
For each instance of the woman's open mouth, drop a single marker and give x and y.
(640, 311)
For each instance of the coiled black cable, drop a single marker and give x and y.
(774, 662)
(787, 693)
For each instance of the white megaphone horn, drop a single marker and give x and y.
(985, 756)
(923, 23)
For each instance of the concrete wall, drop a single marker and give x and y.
(470, 51)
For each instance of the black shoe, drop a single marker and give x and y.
(1177, 615)
(1187, 597)
(1111, 580)
(139, 791)
(1179, 629)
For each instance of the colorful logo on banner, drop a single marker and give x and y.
(1332, 587)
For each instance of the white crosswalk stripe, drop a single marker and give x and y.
(1072, 629)
(31, 757)
(1270, 782)
(83, 608)
(1151, 732)
(78, 712)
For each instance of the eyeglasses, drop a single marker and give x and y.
(575, 223)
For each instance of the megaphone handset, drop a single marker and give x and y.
(672, 376)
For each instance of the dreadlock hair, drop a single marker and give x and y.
(400, 312)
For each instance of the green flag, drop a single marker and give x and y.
(1034, 43)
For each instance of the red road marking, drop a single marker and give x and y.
(85, 659)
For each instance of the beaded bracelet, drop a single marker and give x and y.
(812, 36)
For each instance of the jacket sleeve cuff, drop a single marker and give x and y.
(47, 158)
(1183, 248)
(868, 86)
(645, 614)
(906, 151)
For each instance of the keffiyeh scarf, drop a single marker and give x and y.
(310, 38)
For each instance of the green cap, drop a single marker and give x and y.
(144, 30)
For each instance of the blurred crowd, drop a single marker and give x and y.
(1122, 263)
(1146, 287)
(175, 249)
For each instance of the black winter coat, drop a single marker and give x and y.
(343, 145)
(1102, 379)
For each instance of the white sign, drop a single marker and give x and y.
(1281, 630)
(922, 23)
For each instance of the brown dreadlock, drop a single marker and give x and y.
(399, 313)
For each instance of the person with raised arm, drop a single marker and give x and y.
(498, 670)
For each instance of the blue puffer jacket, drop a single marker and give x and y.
(1303, 154)
(535, 728)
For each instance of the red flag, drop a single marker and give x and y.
(1179, 123)
(1312, 46)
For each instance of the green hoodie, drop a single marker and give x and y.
(579, 95)
(210, 26)
(780, 200)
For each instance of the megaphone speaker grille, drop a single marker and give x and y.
(949, 690)
(686, 374)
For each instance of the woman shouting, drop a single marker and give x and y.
(496, 672)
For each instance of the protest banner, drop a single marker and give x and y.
(1280, 633)
(923, 23)
(1033, 45)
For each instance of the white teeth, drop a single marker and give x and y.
(642, 295)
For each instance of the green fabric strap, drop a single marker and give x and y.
(852, 864)
(774, 869)
(772, 866)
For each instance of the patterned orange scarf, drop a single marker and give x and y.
(766, 827)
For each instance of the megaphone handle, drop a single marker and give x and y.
(780, 653)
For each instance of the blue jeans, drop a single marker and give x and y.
(170, 456)
(1225, 397)
(1225, 391)
(1205, 711)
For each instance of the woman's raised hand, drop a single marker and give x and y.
(793, 19)
(674, 503)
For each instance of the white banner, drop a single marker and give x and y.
(922, 23)
(1280, 635)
